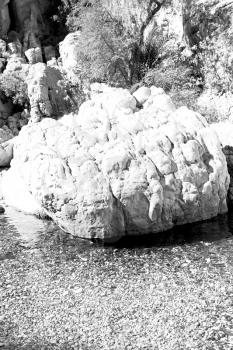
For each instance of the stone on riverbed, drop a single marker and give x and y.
(116, 170)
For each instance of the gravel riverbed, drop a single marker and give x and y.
(172, 292)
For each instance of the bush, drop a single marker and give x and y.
(178, 76)
(108, 51)
(14, 87)
(104, 53)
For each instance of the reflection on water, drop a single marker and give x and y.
(207, 231)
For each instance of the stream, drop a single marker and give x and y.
(172, 290)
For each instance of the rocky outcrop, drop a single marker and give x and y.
(4, 18)
(24, 17)
(68, 50)
(46, 94)
(115, 169)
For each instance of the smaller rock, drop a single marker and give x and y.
(2, 209)
(34, 55)
(15, 48)
(142, 94)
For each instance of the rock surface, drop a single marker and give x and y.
(4, 17)
(24, 17)
(115, 170)
(224, 131)
(15, 192)
(68, 49)
(47, 97)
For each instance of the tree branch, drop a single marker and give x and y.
(151, 14)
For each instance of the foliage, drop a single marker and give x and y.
(74, 91)
(104, 53)
(13, 86)
(177, 75)
(108, 51)
(210, 33)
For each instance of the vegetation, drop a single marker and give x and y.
(116, 54)
(14, 87)
(109, 52)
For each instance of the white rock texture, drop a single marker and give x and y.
(16, 194)
(114, 170)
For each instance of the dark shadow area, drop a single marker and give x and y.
(28, 232)
(211, 230)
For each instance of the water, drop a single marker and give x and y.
(173, 290)
(30, 232)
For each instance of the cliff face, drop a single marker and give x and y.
(26, 20)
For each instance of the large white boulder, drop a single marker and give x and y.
(114, 170)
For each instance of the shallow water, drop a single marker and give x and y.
(29, 232)
(173, 290)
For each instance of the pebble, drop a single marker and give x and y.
(2, 209)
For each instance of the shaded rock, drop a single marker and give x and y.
(113, 170)
(4, 18)
(49, 52)
(5, 109)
